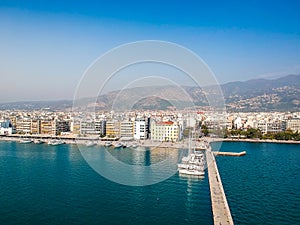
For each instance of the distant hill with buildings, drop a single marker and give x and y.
(282, 94)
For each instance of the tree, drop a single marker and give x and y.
(204, 130)
(253, 133)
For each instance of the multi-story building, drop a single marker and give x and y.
(87, 127)
(112, 129)
(269, 126)
(13, 120)
(100, 126)
(293, 124)
(47, 127)
(23, 125)
(93, 127)
(60, 126)
(140, 129)
(164, 131)
(75, 127)
(126, 130)
(6, 127)
(35, 126)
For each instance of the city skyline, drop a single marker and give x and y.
(51, 45)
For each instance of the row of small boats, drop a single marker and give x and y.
(39, 141)
(88, 143)
(121, 145)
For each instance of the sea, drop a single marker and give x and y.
(41, 184)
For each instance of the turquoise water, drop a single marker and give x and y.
(43, 184)
(262, 187)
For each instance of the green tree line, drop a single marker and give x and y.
(256, 133)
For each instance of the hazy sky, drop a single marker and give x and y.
(45, 46)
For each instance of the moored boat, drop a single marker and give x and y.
(90, 143)
(108, 144)
(25, 140)
(38, 141)
(119, 145)
(55, 142)
(194, 172)
(193, 163)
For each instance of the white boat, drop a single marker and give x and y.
(193, 163)
(90, 143)
(119, 145)
(55, 142)
(128, 145)
(25, 140)
(194, 172)
(202, 145)
(38, 141)
(134, 145)
(108, 144)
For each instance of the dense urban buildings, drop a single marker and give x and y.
(154, 125)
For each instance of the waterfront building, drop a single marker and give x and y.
(23, 125)
(92, 127)
(164, 131)
(75, 127)
(47, 127)
(13, 120)
(269, 126)
(238, 123)
(126, 130)
(141, 129)
(293, 124)
(112, 128)
(6, 127)
(87, 127)
(100, 126)
(35, 126)
(60, 126)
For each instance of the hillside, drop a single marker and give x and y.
(281, 94)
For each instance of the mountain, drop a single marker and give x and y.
(37, 105)
(282, 94)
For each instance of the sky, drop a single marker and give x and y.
(46, 46)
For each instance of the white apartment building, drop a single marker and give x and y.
(293, 124)
(6, 127)
(269, 126)
(140, 129)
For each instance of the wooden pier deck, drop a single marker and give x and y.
(220, 207)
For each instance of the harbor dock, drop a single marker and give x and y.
(220, 207)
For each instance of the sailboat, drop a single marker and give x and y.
(193, 164)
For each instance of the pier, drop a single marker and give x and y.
(230, 153)
(220, 207)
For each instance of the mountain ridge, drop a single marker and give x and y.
(252, 95)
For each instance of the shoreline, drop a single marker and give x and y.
(142, 143)
(254, 140)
